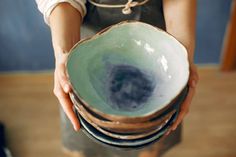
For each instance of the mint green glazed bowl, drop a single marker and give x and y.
(130, 71)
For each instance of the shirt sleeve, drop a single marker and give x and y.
(46, 7)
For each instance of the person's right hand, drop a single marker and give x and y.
(65, 24)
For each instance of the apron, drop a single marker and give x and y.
(96, 19)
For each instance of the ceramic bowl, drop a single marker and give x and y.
(127, 143)
(127, 133)
(98, 136)
(129, 72)
(120, 126)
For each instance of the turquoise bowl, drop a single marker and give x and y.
(128, 71)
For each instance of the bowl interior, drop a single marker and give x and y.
(132, 69)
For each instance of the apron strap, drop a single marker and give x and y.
(126, 7)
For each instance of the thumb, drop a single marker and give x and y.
(193, 79)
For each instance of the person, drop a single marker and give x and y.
(72, 20)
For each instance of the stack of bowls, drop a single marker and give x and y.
(128, 82)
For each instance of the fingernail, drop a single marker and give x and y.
(193, 83)
(174, 128)
(76, 128)
(66, 88)
(168, 132)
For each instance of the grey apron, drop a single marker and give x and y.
(96, 19)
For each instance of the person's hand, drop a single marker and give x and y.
(184, 109)
(65, 29)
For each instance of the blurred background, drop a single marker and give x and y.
(30, 111)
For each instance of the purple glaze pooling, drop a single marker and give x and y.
(129, 88)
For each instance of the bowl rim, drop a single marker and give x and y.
(125, 127)
(121, 117)
(123, 136)
(161, 113)
(126, 142)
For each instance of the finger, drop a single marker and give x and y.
(184, 108)
(167, 133)
(63, 79)
(178, 120)
(68, 109)
(194, 78)
(66, 104)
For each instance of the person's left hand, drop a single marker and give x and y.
(184, 109)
